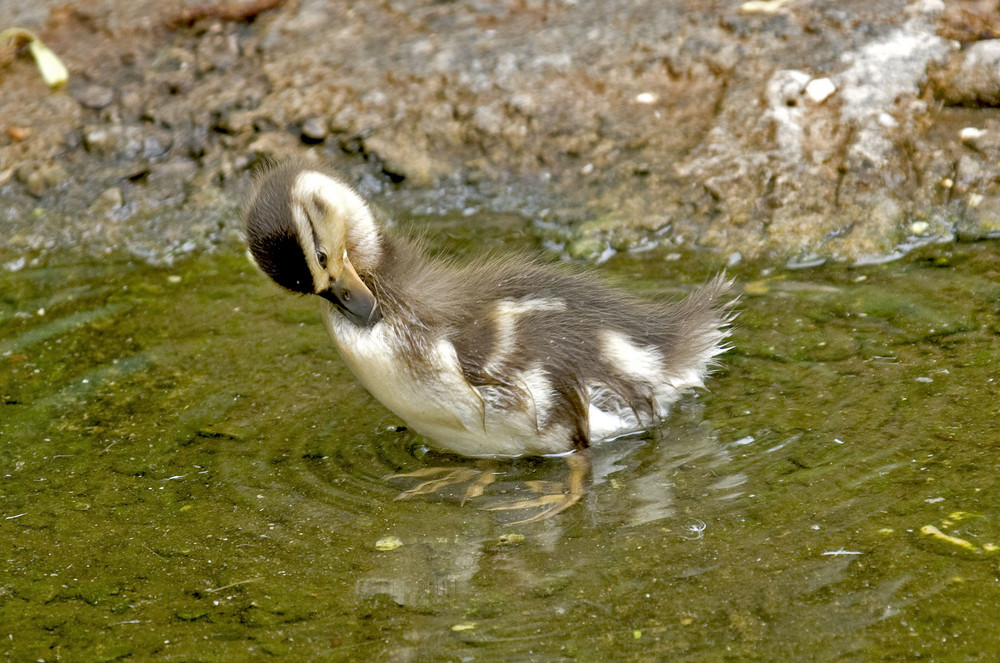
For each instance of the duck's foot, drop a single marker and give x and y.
(477, 479)
(555, 497)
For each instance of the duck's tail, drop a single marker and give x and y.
(701, 325)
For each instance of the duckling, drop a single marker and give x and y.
(498, 357)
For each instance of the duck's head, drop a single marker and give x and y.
(312, 233)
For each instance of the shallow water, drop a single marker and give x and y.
(188, 472)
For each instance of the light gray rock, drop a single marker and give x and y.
(975, 81)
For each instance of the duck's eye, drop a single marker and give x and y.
(321, 258)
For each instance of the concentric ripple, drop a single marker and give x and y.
(184, 458)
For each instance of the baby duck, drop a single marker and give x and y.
(498, 357)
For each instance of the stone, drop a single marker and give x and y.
(94, 97)
(314, 130)
(101, 140)
(39, 177)
(404, 158)
(819, 90)
(109, 200)
(275, 146)
(975, 81)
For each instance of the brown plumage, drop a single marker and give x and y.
(494, 357)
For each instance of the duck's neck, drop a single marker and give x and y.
(404, 281)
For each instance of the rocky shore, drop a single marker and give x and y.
(780, 130)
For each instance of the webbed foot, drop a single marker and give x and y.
(477, 479)
(555, 497)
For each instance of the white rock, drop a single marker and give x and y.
(928, 7)
(819, 89)
(970, 134)
(783, 94)
(880, 73)
(887, 121)
(762, 6)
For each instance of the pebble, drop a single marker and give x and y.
(969, 135)
(887, 120)
(94, 97)
(109, 200)
(100, 140)
(819, 89)
(156, 145)
(274, 145)
(236, 122)
(314, 130)
(762, 6)
(39, 178)
(18, 133)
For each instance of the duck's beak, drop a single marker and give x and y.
(350, 294)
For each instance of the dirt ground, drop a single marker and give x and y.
(780, 130)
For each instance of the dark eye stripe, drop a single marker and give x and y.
(319, 251)
(280, 257)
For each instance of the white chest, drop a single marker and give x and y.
(438, 403)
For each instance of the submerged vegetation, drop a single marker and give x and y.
(189, 471)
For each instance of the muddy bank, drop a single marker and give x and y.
(782, 130)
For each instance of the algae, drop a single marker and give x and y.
(188, 471)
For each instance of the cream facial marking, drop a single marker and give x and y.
(496, 357)
(349, 222)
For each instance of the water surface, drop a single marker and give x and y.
(188, 472)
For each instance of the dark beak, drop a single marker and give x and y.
(350, 294)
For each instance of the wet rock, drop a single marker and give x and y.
(155, 145)
(984, 139)
(40, 177)
(972, 172)
(405, 157)
(980, 218)
(881, 73)
(973, 79)
(94, 97)
(109, 200)
(174, 72)
(777, 167)
(314, 130)
(100, 140)
(274, 146)
(757, 132)
(236, 122)
(128, 141)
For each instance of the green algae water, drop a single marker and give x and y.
(188, 472)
